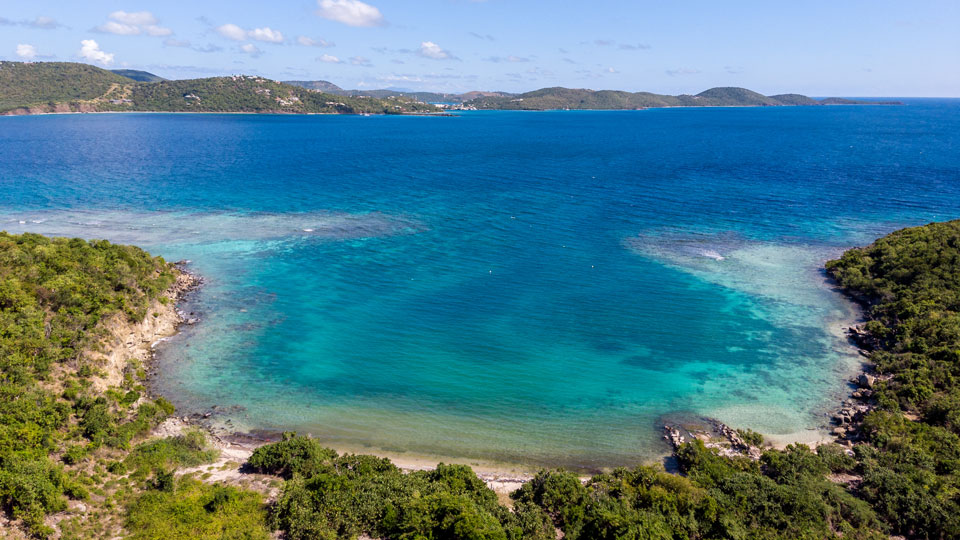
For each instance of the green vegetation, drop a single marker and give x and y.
(253, 94)
(30, 84)
(786, 495)
(187, 450)
(66, 87)
(910, 283)
(187, 508)
(331, 496)
(54, 294)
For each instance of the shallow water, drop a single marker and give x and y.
(540, 288)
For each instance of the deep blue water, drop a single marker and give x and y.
(530, 287)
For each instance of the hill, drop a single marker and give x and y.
(795, 99)
(30, 88)
(736, 97)
(26, 84)
(570, 98)
(137, 75)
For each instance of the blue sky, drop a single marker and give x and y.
(820, 48)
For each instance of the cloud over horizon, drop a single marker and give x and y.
(90, 50)
(26, 51)
(429, 49)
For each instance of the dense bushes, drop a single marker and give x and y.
(54, 294)
(293, 455)
(910, 283)
(786, 496)
(343, 496)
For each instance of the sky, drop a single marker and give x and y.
(819, 48)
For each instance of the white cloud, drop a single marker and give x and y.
(350, 12)
(139, 18)
(328, 58)
(360, 61)
(26, 51)
(236, 33)
(611, 70)
(429, 49)
(251, 49)
(120, 29)
(266, 34)
(123, 23)
(173, 42)
(232, 31)
(90, 50)
(46, 23)
(310, 42)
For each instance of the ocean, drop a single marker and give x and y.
(533, 288)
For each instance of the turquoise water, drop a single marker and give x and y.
(537, 288)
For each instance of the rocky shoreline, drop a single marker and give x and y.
(846, 419)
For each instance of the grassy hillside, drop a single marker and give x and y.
(65, 87)
(25, 84)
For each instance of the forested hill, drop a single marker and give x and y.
(570, 98)
(41, 87)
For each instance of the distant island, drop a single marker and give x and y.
(583, 99)
(65, 87)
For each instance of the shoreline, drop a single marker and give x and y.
(14, 114)
(444, 113)
(236, 446)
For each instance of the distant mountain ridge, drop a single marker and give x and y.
(323, 86)
(37, 87)
(62, 87)
(581, 98)
(137, 75)
(569, 98)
